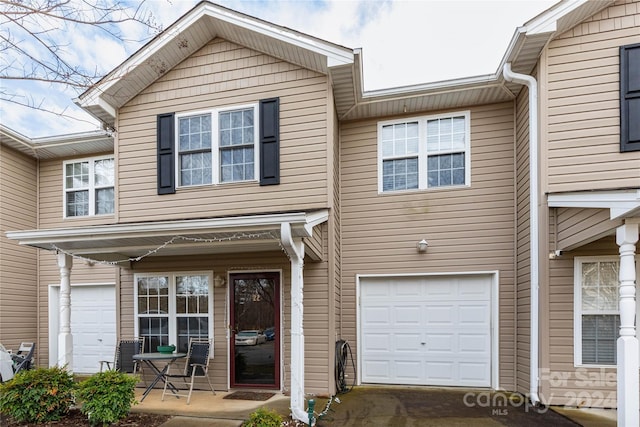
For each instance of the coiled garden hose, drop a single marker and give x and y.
(343, 354)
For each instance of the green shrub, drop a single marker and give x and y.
(107, 396)
(264, 417)
(37, 395)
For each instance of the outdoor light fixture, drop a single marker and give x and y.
(219, 282)
(422, 245)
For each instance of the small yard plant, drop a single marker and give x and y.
(264, 417)
(38, 395)
(107, 397)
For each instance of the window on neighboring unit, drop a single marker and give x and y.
(172, 308)
(597, 316)
(424, 152)
(218, 146)
(89, 187)
(630, 98)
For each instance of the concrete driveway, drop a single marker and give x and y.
(397, 407)
(380, 406)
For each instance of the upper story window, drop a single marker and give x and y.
(217, 147)
(236, 144)
(424, 152)
(89, 187)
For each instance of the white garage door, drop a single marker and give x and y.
(93, 326)
(432, 330)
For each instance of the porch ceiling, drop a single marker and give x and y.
(123, 243)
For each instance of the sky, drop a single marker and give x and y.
(403, 43)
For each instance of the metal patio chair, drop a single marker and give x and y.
(23, 358)
(196, 366)
(123, 359)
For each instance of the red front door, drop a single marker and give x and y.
(255, 326)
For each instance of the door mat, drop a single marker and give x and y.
(249, 395)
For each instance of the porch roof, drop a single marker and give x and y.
(123, 243)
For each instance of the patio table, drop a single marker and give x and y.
(161, 374)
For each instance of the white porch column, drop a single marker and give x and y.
(628, 389)
(295, 252)
(65, 339)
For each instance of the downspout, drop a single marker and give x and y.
(532, 85)
(295, 252)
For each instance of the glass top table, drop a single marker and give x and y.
(161, 374)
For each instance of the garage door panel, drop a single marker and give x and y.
(377, 370)
(443, 315)
(440, 344)
(475, 315)
(376, 342)
(426, 330)
(475, 374)
(407, 343)
(409, 370)
(407, 291)
(473, 344)
(408, 316)
(440, 372)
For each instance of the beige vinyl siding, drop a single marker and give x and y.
(583, 103)
(576, 227)
(523, 240)
(82, 273)
(223, 74)
(51, 198)
(468, 229)
(564, 384)
(316, 316)
(316, 243)
(18, 264)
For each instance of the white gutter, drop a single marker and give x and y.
(531, 83)
(295, 251)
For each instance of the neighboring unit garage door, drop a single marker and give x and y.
(431, 330)
(93, 326)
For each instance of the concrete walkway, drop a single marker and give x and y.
(379, 406)
(205, 409)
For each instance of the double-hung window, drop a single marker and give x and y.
(597, 316)
(173, 308)
(424, 153)
(217, 146)
(89, 187)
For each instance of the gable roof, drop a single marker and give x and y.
(343, 65)
(191, 32)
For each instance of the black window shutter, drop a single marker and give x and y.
(630, 98)
(270, 141)
(166, 135)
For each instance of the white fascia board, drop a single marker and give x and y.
(262, 222)
(620, 203)
(547, 21)
(434, 87)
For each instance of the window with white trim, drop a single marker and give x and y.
(217, 146)
(89, 187)
(424, 152)
(597, 316)
(172, 308)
